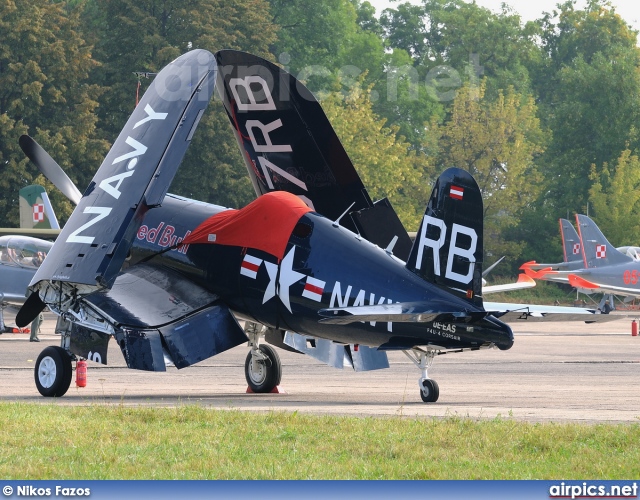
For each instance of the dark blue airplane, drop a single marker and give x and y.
(312, 265)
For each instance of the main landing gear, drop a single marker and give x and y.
(53, 372)
(262, 368)
(423, 359)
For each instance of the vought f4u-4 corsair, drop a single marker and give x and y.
(312, 263)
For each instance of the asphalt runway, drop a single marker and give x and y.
(560, 372)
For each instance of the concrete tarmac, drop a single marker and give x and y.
(560, 372)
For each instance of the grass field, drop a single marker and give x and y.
(191, 442)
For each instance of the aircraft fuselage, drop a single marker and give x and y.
(324, 266)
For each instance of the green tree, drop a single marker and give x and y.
(330, 43)
(44, 65)
(451, 42)
(385, 162)
(366, 17)
(615, 199)
(497, 142)
(143, 36)
(319, 36)
(465, 37)
(406, 102)
(589, 88)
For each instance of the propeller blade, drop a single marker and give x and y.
(490, 268)
(49, 168)
(29, 310)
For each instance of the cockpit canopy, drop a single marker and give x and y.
(23, 251)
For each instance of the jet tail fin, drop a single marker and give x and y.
(597, 251)
(571, 245)
(36, 211)
(448, 247)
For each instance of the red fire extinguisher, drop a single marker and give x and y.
(81, 373)
(634, 328)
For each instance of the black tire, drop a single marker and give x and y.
(53, 372)
(430, 392)
(267, 375)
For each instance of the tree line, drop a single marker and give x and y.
(544, 114)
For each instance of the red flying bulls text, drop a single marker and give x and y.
(164, 235)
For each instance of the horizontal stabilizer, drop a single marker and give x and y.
(523, 282)
(407, 312)
(540, 274)
(578, 282)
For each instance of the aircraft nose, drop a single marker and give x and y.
(504, 338)
(499, 333)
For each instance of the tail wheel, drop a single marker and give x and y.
(429, 391)
(263, 375)
(53, 372)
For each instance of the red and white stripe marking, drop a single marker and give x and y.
(576, 248)
(601, 251)
(313, 289)
(250, 266)
(38, 212)
(456, 192)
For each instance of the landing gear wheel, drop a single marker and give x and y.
(53, 372)
(429, 391)
(263, 375)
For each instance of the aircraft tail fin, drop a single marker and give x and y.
(36, 211)
(571, 245)
(448, 247)
(596, 249)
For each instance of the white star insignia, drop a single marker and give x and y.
(287, 278)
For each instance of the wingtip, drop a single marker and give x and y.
(524, 279)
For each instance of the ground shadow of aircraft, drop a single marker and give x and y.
(169, 277)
